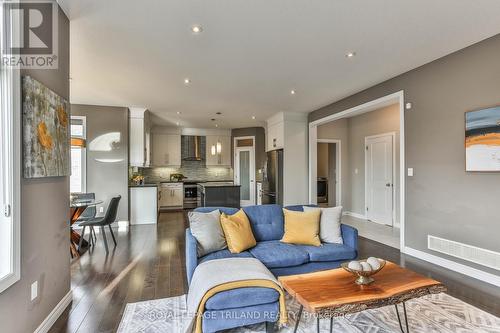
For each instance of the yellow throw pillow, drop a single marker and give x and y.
(238, 232)
(302, 227)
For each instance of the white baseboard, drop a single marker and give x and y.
(356, 215)
(55, 314)
(454, 266)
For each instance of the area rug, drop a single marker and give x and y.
(433, 313)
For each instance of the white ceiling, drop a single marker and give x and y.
(252, 53)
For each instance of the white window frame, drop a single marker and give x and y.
(10, 157)
(84, 150)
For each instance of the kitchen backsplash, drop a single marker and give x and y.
(193, 170)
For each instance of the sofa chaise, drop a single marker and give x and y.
(232, 308)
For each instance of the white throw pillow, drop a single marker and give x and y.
(329, 224)
(206, 228)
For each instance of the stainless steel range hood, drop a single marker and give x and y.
(191, 148)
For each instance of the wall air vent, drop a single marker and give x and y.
(470, 253)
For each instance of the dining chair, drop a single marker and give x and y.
(88, 214)
(106, 220)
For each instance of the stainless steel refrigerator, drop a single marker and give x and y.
(272, 183)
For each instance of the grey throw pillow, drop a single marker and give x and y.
(329, 224)
(206, 228)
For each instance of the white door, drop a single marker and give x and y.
(379, 178)
(244, 174)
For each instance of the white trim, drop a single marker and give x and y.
(397, 97)
(454, 266)
(356, 215)
(253, 188)
(338, 167)
(10, 99)
(56, 312)
(393, 137)
(84, 151)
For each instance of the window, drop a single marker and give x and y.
(10, 158)
(78, 179)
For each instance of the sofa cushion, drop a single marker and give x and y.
(238, 232)
(277, 254)
(266, 220)
(242, 297)
(224, 254)
(329, 252)
(302, 227)
(206, 228)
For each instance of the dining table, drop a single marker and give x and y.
(77, 207)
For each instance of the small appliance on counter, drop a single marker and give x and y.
(177, 177)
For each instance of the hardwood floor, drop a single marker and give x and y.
(148, 263)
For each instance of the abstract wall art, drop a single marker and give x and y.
(46, 135)
(482, 140)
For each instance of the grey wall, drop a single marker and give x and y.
(260, 146)
(372, 123)
(107, 179)
(442, 199)
(44, 226)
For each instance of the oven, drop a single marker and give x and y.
(322, 190)
(190, 195)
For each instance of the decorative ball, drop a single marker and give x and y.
(374, 263)
(366, 266)
(355, 265)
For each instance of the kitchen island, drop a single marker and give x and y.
(219, 194)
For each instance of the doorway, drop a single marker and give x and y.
(244, 169)
(380, 160)
(355, 175)
(329, 171)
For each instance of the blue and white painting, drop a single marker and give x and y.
(482, 140)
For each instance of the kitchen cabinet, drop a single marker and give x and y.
(171, 195)
(275, 136)
(219, 159)
(140, 137)
(143, 205)
(166, 149)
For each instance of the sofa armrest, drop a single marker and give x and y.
(191, 255)
(350, 236)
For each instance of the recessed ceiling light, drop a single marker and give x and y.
(178, 112)
(216, 125)
(253, 117)
(177, 123)
(350, 54)
(196, 29)
(187, 81)
(292, 92)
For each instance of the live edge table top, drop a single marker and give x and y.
(334, 292)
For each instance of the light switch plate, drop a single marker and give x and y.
(101, 209)
(34, 290)
(356, 171)
(410, 172)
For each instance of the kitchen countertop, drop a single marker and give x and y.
(218, 184)
(191, 181)
(144, 185)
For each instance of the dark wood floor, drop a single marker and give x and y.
(148, 263)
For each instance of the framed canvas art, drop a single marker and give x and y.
(45, 131)
(482, 140)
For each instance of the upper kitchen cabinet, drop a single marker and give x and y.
(275, 134)
(140, 137)
(218, 150)
(166, 148)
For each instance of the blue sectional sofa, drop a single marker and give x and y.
(231, 308)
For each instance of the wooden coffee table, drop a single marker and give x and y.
(333, 293)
